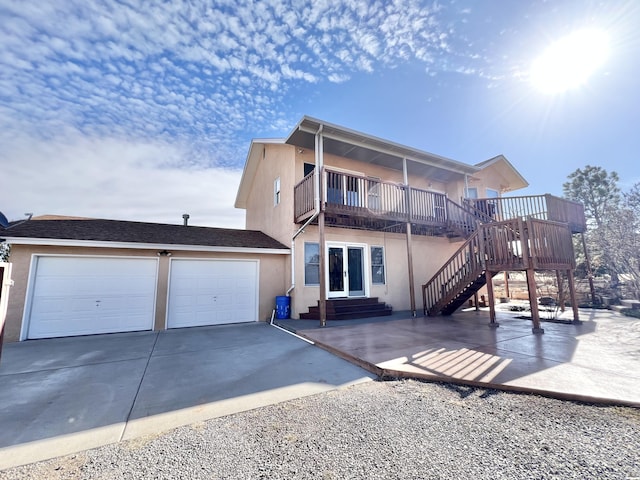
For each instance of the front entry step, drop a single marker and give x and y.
(349, 308)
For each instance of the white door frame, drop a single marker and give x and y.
(344, 246)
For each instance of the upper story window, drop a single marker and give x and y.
(276, 191)
(491, 193)
(472, 192)
(308, 168)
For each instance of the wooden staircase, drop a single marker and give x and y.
(457, 280)
(349, 308)
(510, 245)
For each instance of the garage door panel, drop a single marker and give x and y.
(212, 292)
(87, 295)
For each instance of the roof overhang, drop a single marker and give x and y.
(58, 242)
(348, 143)
(513, 180)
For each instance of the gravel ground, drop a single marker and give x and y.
(379, 430)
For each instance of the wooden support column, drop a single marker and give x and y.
(322, 301)
(412, 290)
(492, 302)
(506, 285)
(560, 283)
(322, 305)
(587, 262)
(574, 301)
(533, 301)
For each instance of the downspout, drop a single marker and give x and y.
(316, 212)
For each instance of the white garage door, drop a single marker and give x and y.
(212, 292)
(85, 295)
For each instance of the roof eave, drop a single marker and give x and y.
(61, 242)
(311, 126)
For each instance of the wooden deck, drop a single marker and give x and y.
(356, 201)
(509, 245)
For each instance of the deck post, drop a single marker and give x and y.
(506, 285)
(533, 301)
(407, 194)
(492, 303)
(574, 301)
(560, 283)
(587, 262)
(322, 301)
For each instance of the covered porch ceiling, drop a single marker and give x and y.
(347, 143)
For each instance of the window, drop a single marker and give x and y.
(377, 266)
(311, 264)
(276, 191)
(491, 193)
(472, 192)
(308, 168)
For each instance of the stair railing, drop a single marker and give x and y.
(462, 219)
(465, 265)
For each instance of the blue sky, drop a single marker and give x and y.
(144, 110)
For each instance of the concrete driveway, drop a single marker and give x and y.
(65, 395)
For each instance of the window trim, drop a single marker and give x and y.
(317, 245)
(383, 265)
(276, 192)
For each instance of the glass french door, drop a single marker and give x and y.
(345, 265)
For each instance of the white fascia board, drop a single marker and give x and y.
(55, 242)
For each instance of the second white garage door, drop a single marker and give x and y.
(212, 292)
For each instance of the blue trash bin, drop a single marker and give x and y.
(283, 307)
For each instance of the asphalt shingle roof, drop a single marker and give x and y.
(139, 232)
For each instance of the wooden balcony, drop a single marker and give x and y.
(355, 201)
(541, 207)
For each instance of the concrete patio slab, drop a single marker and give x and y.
(61, 396)
(597, 360)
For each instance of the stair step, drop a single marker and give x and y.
(349, 308)
(348, 315)
(352, 301)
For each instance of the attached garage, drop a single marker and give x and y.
(87, 295)
(75, 276)
(212, 292)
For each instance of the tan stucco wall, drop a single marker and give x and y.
(274, 220)
(429, 254)
(272, 268)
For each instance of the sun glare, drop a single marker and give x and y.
(570, 61)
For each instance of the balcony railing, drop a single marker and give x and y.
(541, 207)
(372, 203)
(360, 196)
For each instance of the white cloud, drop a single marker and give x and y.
(115, 178)
(118, 91)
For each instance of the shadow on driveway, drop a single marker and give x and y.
(64, 395)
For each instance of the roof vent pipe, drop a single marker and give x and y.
(185, 217)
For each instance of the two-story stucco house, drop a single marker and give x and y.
(340, 223)
(366, 218)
